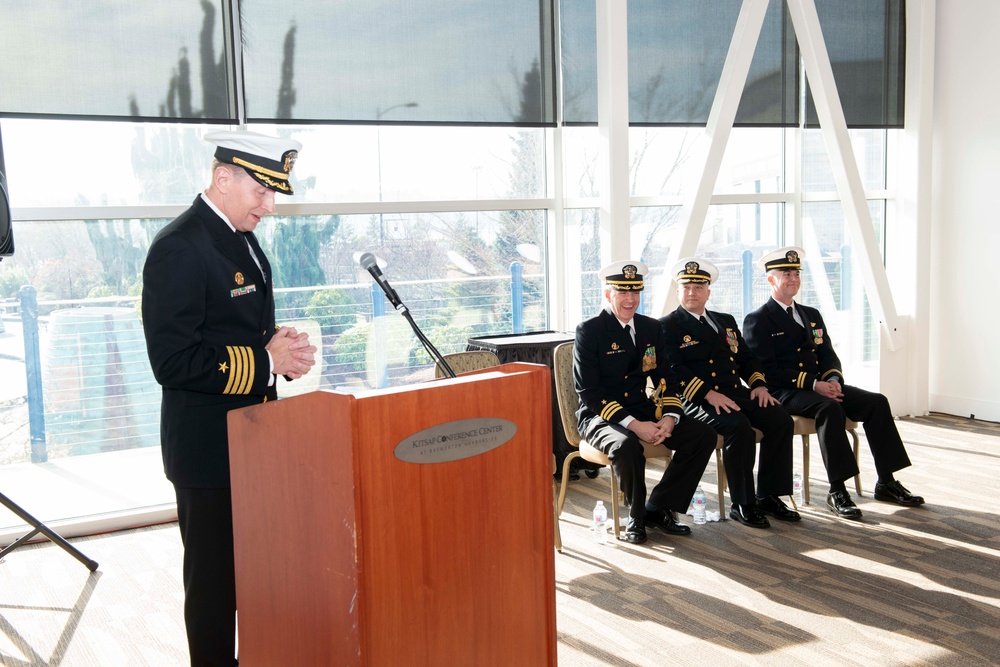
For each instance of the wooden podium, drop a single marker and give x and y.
(409, 526)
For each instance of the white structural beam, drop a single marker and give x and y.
(904, 376)
(718, 129)
(845, 168)
(612, 124)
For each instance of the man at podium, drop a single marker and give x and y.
(614, 356)
(208, 319)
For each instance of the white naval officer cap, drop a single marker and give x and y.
(695, 270)
(789, 257)
(269, 160)
(624, 276)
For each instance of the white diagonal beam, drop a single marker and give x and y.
(845, 166)
(718, 129)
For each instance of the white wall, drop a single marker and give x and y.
(964, 337)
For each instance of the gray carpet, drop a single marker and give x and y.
(902, 587)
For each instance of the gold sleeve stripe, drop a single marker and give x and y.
(232, 365)
(671, 402)
(832, 371)
(610, 409)
(801, 381)
(755, 377)
(246, 370)
(693, 386)
(241, 370)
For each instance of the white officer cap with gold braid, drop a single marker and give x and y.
(269, 160)
(624, 276)
(789, 257)
(694, 270)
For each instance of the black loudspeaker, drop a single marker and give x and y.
(6, 226)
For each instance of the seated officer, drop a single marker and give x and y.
(615, 355)
(708, 354)
(793, 344)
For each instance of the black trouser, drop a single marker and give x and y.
(205, 517)
(869, 408)
(739, 449)
(692, 443)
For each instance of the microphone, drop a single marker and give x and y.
(370, 264)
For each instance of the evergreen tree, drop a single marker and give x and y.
(286, 93)
(213, 73)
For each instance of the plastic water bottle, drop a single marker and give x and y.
(797, 489)
(698, 502)
(600, 523)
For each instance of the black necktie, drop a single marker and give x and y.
(253, 256)
(791, 314)
(628, 337)
(705, 322)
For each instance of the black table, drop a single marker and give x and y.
(535, 347)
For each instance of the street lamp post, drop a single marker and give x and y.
(378, 147)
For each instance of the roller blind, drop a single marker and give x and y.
(677, 49)
(115, 59)
(866, 40)
(449, 61)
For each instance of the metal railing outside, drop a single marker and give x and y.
(90, 388)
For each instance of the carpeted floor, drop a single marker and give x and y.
(902, 587)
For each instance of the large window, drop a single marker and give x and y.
(457, 217)
(461, 212)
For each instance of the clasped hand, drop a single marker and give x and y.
(291, 352)
(831, 389)
(653, 432)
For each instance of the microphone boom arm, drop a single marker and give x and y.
(428, 345)
(369, 263)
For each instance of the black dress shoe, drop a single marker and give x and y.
(773, 506)
(749, 515)
(666, 522)
(895, 492)
(635, 531)
(840, 503)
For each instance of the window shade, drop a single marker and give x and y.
(114, 58)
(866, 40)
(451, 61)
(677, 49)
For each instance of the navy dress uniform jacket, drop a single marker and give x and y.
(793, 357)
(611, 375)
(207, 314)
(722, 361)
(615, 387)
(705, 360)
